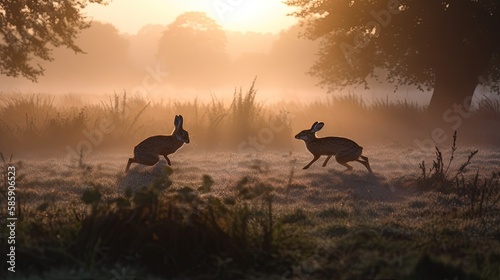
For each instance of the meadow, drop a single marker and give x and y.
(236, 203)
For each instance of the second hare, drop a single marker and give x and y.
(344, 150)
(148, 151)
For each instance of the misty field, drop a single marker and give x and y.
(236, 203)
(321, 223)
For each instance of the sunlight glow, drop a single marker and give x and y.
(129, 16)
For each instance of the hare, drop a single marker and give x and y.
(343, 149)
(148, 151)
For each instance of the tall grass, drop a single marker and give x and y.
(214, 114)
(34, 122)
(40, 122)
(245, 112)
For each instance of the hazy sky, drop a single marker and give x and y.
(239, 15)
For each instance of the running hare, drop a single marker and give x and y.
(149, 150)
(343, 149)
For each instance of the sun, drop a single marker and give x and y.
(237, 15)
(255, 15)
(236, 11)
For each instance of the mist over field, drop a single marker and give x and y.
(114, 62)
(117, 62)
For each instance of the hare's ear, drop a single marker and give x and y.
(314, 124)
(181, 121)
(176, 121)
(317, 126)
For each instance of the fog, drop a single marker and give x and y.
(183, 61)
(184, 66)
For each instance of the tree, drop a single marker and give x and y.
(448, 46)
(28, 30)
(194, 49)
(290, 57)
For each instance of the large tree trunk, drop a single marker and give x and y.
(460, 58)
(457, 73)
(453, 90)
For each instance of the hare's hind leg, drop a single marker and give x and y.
(143, 159)
(326, 160)
(349, 168)
(344, 159)
(365, 162)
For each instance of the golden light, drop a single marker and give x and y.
(261, 15)
(238, 15)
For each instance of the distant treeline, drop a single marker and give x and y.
(191, 52)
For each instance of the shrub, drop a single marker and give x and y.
(439, 177)
(479, 195)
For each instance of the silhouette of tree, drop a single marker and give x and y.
(144, 44)
(194, 49)
(290, 58)
(281, 63)
(440, 45)
(28, 30)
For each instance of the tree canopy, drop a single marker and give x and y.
(29, 30)
(448, 46)
(192, 47)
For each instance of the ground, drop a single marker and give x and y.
(366, 225)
